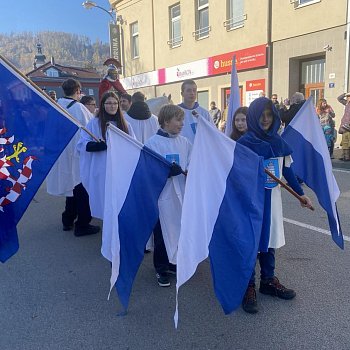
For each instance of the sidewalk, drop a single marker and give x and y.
(339, 164)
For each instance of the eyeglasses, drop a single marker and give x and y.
(111, 104)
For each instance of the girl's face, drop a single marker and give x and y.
(323, 104)
(266, 119)
(241, 122)
(111, 105)
(174, 125)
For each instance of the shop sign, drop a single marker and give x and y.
(253, 90)
(140, 80)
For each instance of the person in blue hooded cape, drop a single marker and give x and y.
(263, 138)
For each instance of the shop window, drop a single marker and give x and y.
(203, 98)
(235, 14)
(202, 19)
(175, 26)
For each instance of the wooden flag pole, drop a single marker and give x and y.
(290, 190)
(36, 87)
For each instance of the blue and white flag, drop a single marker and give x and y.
(135, 177)
(234, 101)
(33, 133)
(222, 214)
(312, 163)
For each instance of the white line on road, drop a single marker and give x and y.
(341, 170)
(313, 228)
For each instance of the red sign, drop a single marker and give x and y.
(249, 58)
(253, 85)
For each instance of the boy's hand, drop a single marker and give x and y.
(306, 202)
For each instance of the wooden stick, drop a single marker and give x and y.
(289, 189)
(36, 87)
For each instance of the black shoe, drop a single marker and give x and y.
(163, 280)
(249, 303)
(272, 286)
(172, 269)
(86, 230)
(68, 227)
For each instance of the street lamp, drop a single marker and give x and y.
(114, 29)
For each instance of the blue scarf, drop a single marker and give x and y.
(267, 144)
(196, 105)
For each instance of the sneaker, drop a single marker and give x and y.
(249, 303)
(86, 230)
(272, 286)
(68, 227)
(163, 280)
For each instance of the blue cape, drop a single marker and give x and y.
(266, 144)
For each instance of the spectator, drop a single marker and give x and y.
(52, 94)
(345, 126)
(215, 113)
(296, 103)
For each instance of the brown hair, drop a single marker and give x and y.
(105, 117)
(187, 82)
(235, 134)
(169, 112)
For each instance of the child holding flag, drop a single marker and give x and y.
(262, 137)
(176, 149)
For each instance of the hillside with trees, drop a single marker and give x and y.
(67, 49)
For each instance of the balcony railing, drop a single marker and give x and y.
(175, 42)
(235, 22)
(201, 33)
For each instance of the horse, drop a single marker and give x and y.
(156, 103)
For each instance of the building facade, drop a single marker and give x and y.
(281, 46)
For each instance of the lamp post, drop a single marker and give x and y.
(114, 29)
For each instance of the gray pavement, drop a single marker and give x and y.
(53, 293)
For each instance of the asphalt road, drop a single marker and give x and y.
(53, 293)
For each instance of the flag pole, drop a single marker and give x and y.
(289, 189)
(36, 87)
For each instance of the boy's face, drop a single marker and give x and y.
(266, 119)
(174, 125)
(189, 93)
(124, 104)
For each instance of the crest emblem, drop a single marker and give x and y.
(14, 169)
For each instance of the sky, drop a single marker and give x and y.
(55, 15)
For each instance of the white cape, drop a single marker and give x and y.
(143, 129)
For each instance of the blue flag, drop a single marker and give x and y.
(234, 101)
(33, 133)
(312, 163)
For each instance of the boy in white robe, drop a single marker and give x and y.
(176, 149)
(191, 109)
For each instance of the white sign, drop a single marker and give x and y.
(185, 71)
(140, 80)
(250, 96)
(331, 75)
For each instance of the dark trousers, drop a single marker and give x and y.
(160, 256)
(77, 207)
(267, 265)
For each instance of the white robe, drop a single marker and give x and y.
(170, 200)
(190, 122)
(277, 238)
(65, 174)
(93, 168)
(143, 129)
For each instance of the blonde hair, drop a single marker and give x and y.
(169, 112)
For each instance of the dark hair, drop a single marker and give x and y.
(70, 86)
(168, 112)
(187, 82)
(86, 99)
(126, 97)
(235, 134)
(105, 117)
(138, 96)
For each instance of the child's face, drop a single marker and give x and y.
(174, 125)
(111, 105)
(189, 93)
(241, 122)
(266, 119)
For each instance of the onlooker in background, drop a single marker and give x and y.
(345, 126)
(138, 96)
(215, 113)
(222, 123)
(125, 102)
(326, 114)
(262, 94)
(274, 99)
(52, 94)
(296, 103)
(90, 103)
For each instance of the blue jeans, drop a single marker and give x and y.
(267, 265)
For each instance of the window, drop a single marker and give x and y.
(175, 26)
(134, 30)
(203, 98)
(202, 20)
(51, 72)
(235, 14)
(301, 3)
